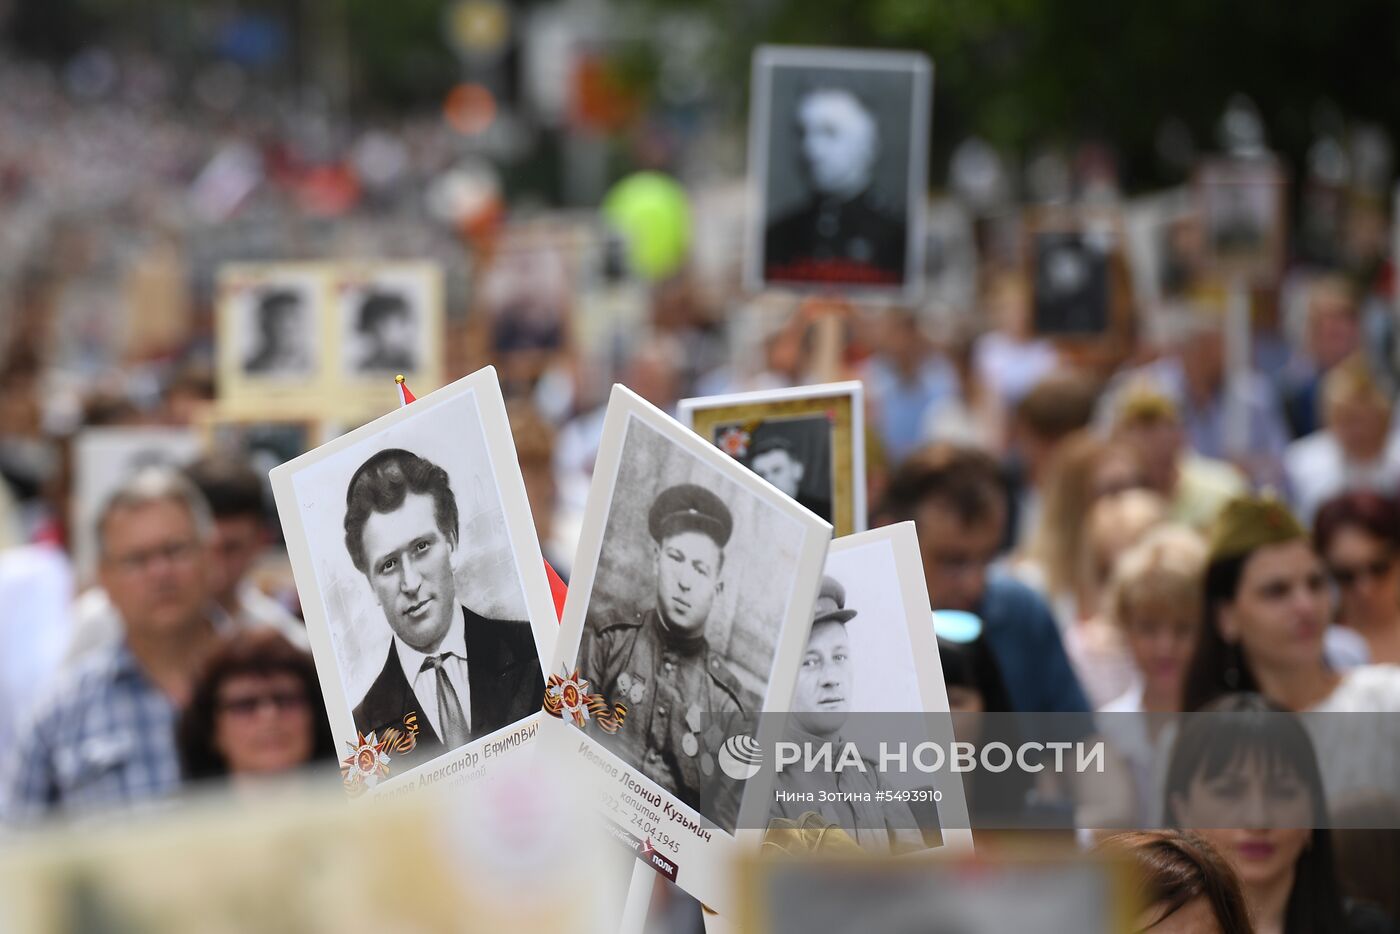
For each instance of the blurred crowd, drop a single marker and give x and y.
(1156, 524)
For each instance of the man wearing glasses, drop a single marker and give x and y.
(104, 736)
(956, 498)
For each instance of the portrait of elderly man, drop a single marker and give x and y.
(775, 458)
(844, 230)
(459, 674)
(682, 700)
(283, 345)
(821, 707)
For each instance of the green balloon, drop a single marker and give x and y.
(652, 213)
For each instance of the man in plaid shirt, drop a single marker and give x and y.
(104, 736)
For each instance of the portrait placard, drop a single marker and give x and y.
(871, 654)
(809, 442)
(388, 317)
(1070, 283)
(950, 261)
(272, 335)
(1163, 238)
(1242, 213)
(321, 340)
(424, 592)
(838, 170)
(689, 604)
(1080, 291)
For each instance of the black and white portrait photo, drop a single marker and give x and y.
(281, 331)
(272, 338)
(871, 652)
(698, 567)
(805, 440)
(837, 156)
(794, 454)
(425, 572)
(1070, 282)
(387, 323)
(465, 675)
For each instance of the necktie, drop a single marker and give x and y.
(455, 731)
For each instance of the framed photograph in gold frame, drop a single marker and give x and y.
(808, 441)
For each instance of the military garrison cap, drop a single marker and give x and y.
(687, 507)
(769, 441)
(831, 603)
(1248, 523)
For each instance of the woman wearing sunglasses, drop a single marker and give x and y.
(255, 712)
(1358, 536)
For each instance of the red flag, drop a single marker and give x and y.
(557, 589)
(405, 397)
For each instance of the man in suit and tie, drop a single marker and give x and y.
(459, 674)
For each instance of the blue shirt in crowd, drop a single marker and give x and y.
(105, 738)
(1021, 632)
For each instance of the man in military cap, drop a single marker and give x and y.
(773, 458)
(682, 701)
(821, 705)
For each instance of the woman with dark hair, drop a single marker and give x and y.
(1249, 762)
(255, 712)
(1358, 535)
(1266, 618)
(1184, 884)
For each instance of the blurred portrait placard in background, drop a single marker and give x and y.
(838, 170)
(327, 339)
(1242, 211)
(421, 580)
(389, 317)
(1164, 248)
(271, 334)
(1071, 282)
(807, 441)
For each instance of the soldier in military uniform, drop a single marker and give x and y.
(773, 458)
(821, 705)
(683, 702)
(845, 231)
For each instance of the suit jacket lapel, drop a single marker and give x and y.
(493, 668)
(393, 697)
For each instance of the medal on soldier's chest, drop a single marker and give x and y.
(631, 687)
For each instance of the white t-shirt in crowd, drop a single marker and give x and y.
(1359, 755)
